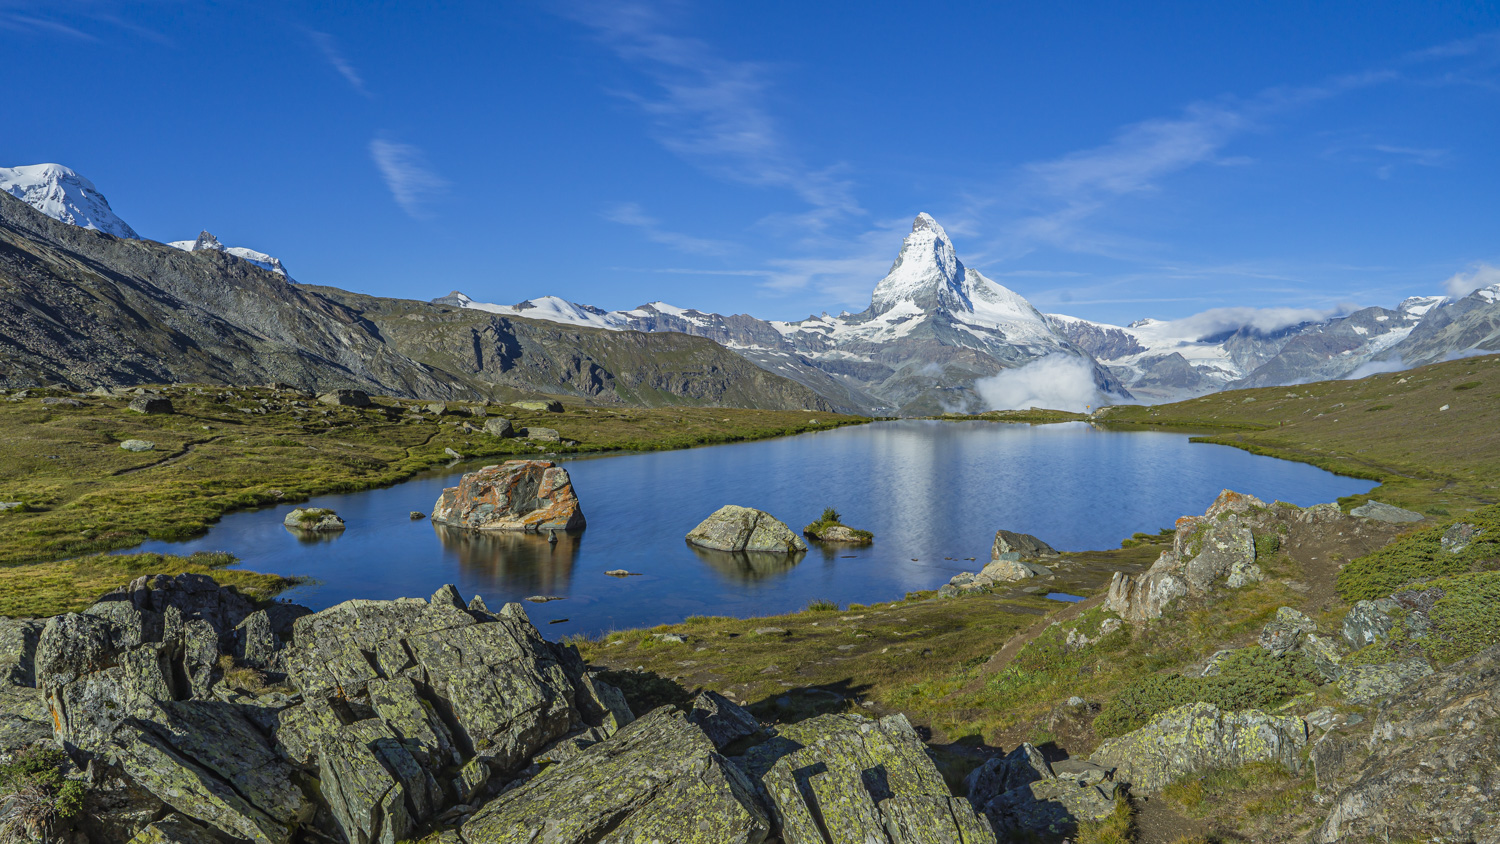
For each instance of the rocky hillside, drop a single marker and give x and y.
(81, 308)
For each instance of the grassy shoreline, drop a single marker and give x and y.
(225, 449)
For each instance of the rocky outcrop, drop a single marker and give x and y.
(151, 404)
(1022, 794)
(842, 778)
(519, 495)
(1028, 546)
(366, 722)
(733, 528)
(1198, 737)
(1207, 551)
(1426, 769)
(660, 779)
(18, 641)
(313, 520)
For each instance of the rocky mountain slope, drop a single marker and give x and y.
(208, 242)
(83, 308)
(934, 327)
(1166, 360)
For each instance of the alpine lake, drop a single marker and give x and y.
(933, 493)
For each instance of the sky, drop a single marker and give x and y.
(1111, 161)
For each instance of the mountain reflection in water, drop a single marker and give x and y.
(513, 561)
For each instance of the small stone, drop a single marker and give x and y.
(622, 573)
(542, 599)
(137, 445)
(673, 638)
(417, 514)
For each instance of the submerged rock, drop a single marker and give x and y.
(520, 495)
(733, 528)
(313, 519)
(1198, 737)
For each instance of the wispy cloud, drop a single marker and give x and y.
(72, 20)
(411, 180)
(631, 214)
(711, 110)
(335, 57)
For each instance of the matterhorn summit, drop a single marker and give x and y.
(62, 194)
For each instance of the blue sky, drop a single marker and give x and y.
(1110, 161)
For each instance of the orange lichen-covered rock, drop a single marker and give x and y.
(524, 495)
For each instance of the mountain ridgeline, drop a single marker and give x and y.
(83, 308)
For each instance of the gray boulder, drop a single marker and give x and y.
(539, 405)
(1286, 633)
(545, 435)
(733, 528)
(18, 642)
(346, 398)
(723, 721)
(1385, 513)
(137, 445)
(659, 779)
(1198, 737)
(1369, 621)
(1028, 546)
(499, 426)
(175, 829)
(151, 404)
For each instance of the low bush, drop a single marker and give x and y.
(1250, 678)
(1420, 556)
(35, 793)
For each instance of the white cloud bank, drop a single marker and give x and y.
(1476, 276)
(1056, 382)
(1216, 321)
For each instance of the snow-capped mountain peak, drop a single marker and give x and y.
(62, 194)
(926, 272)
(208, 243)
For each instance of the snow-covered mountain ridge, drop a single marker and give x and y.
(62, 194)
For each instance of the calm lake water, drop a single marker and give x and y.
(928, 490)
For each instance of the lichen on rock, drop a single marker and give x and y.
(518, 495)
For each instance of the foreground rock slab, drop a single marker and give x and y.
(517, 495)
(660, 779)
(1426, 769)
(733, 528)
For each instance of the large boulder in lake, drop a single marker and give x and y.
(733, 528)
(521, 495)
